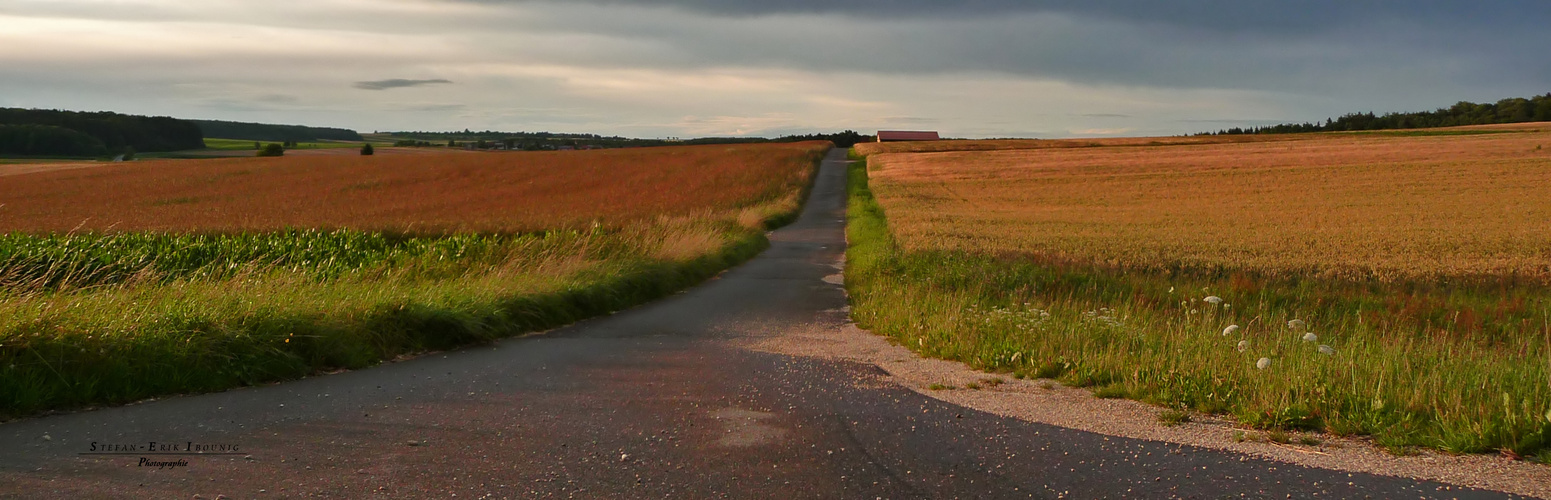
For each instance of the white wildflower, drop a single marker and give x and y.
(1310, 337)
(1243, 345)
(1263, 363)
(1229, 330)
(1213, 299)
(1296, 324)
(1327, 350)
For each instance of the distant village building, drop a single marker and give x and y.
(907, 135)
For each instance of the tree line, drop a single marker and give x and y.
(76, 133)
(48, 140)
(273, 133)
(1511, 110)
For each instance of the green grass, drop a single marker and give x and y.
(246, 145)
(64, 349)
(30, 263)
(1149, 336)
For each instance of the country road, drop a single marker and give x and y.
(664, 400)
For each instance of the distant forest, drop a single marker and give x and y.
(74, 133)
(1512, 110)
(274, 133)
(549, 140)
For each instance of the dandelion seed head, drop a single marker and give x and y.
(1243, 345)
(1229, 330)
(1327, 350)
(1310, 337)
(1263, 363)
(1213, 299)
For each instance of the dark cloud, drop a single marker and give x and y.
(1214, 15)
(1362, 49)
(395, 83)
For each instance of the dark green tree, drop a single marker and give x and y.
(272, 149)
(367, 150)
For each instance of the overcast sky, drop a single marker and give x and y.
(656, 68)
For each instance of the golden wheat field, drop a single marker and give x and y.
(1467, 202)
(453, 191)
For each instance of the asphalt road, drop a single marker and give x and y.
(658, 401)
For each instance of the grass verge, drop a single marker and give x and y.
(1092, 327)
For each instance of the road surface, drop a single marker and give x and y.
(658, 401)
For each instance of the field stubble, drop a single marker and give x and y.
(1415, 268)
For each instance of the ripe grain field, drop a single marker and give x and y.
(1386, 284)
(123, 282)
(456, 191)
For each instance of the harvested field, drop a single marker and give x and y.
(455, 191)
(1350, 206)
(872, 148)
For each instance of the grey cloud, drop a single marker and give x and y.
(1159, 64)
(1311, 48)
(1216, 15)
(438, 108)
(909, 119)
(395, 83)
